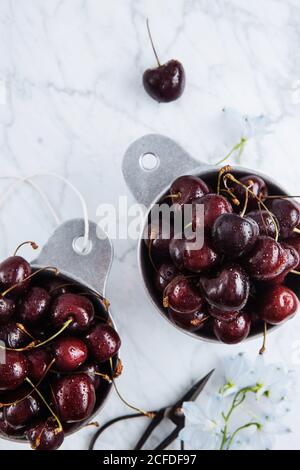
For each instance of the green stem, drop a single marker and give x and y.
(240, 146)
(245, 426)
(238, 399)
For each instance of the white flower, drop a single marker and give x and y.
(203, 424)
(235, 374)
(238, 125)
(264, 436)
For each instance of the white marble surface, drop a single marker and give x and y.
(74, 101)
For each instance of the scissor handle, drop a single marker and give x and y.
(159, 416)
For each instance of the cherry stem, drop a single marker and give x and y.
(22, 328)
(93, 423)
(296, 230)
(240, 146)
(47, 268)
(60, 428)
(35, 345)
(242, 214)
(232, 178)
(235, 201)
(31, 392)
(263, 348)
(223, 170)
(293, 271)
(34, 246)
(104, 377)
(152, 44)
(146, 413)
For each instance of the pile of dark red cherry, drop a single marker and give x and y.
(58, 352)
(239, 280)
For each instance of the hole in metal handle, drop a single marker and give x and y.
(149, 161)
(78, 246)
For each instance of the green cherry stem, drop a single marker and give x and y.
(59, 428)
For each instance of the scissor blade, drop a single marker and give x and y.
(196, 389)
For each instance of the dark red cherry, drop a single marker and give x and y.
(13, 371)
(45, 435)
(13, 336)
(295, 243)
(287, 213)
(20, 413)
(14, 270)
(103, 342)
(265, 222)
(187, 188)
(292, 261)
(74, 397)
(277, 305)
(69, 353)
(182, 296)
(223, 315)
(165, 273)
(258, 187)
(234, 235)
(72, 306)
(7, 429)
(187, 321)
(38, 361)
(193, 255)
(56, 287)
(34, 307)
(214, 205)
(159, 235)
(7, 308)
(235, 331)
(166, 82)
(267, 260)
(92, 369)
(228, 290)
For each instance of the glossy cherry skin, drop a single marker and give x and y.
(295, 243)
(235, 331)
(292, 261)
(187, 321)
(187, 188)
(214, 205)
(74, 306)
(267, 260)
(228, 290)
(13, 336)
(158, 235)
(56, 287)
(103, 341)
(233, 235)
(182, 296)
(186, 255)
(15, 270)
(7, 429)
(166, 82)
(265, 222)
(278, 304)
(69, 353)
(259, 188)
(14, 371)
(287, 213)
(44, 435)
(223, 315)
(19, 414)
(74, 397)
(91, 369)
(7, 308)
(165, 273)
(34, 307)
(38, 361)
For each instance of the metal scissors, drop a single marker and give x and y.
(174, 413)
